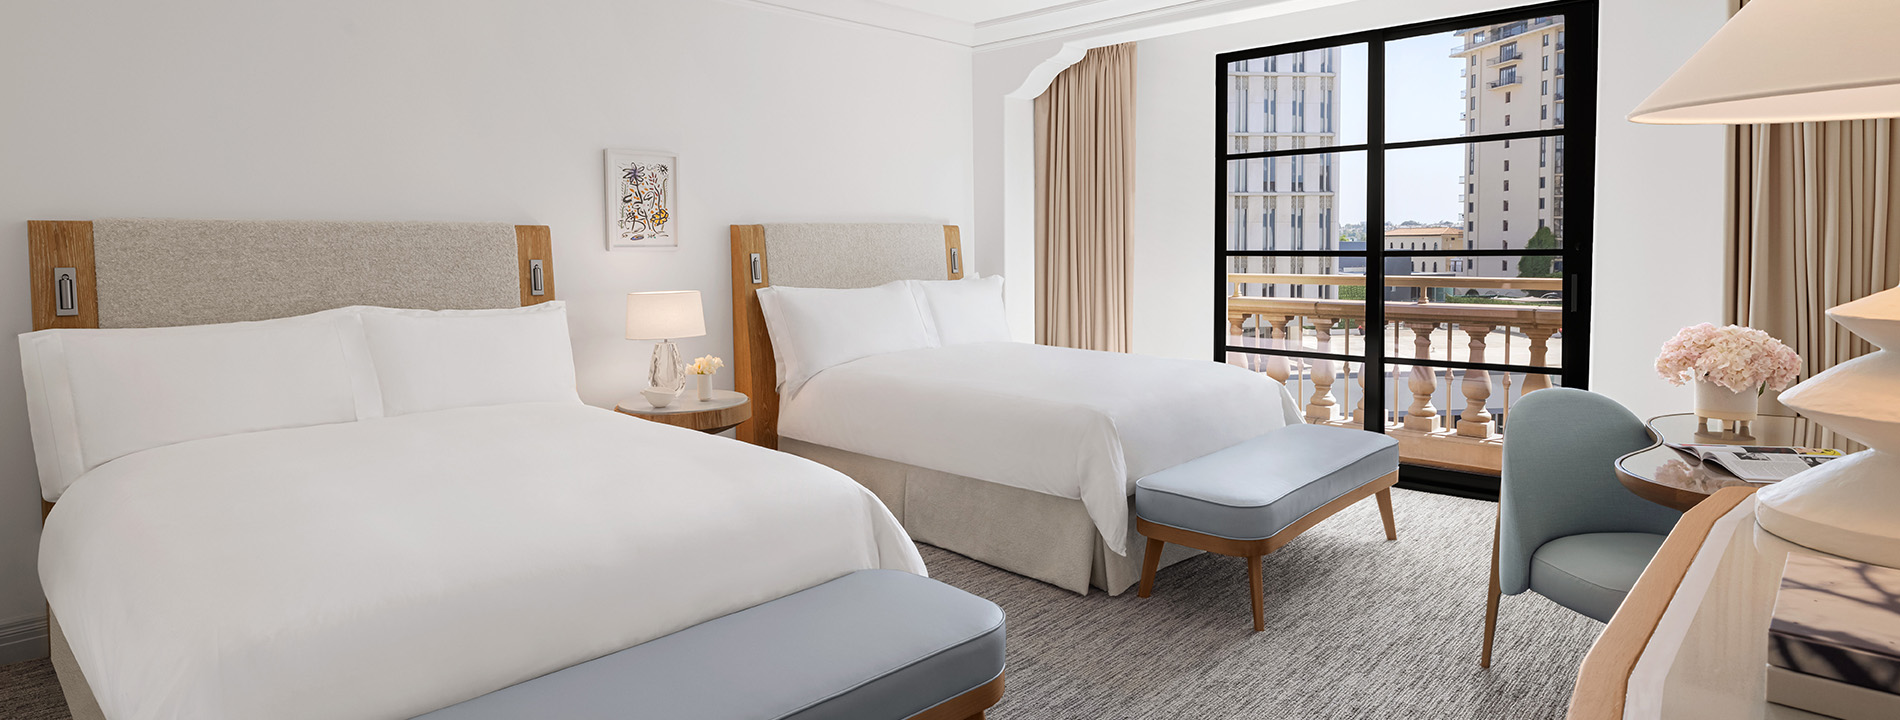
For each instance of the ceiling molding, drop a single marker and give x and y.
(883, 16)
(1039, 24)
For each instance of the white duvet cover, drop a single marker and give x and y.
(389, 567)
(1071, 423)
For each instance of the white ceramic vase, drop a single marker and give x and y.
(705, 386)
(1714, 402)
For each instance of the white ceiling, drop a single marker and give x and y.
(979, 11)
(990, 23)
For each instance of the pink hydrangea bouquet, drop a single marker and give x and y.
(1741, 359)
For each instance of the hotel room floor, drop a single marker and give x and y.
(1356, 628)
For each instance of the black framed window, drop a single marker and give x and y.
(1406, 308)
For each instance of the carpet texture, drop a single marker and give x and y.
(28, 691)
(1357, 627)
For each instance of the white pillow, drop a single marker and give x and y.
(439, 359)
(97, 395)
(964, 311)
(814, 328)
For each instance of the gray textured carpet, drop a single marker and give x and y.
(1357, 627)
(28, 691)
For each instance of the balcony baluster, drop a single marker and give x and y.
(1422, 416)
(1476, 384)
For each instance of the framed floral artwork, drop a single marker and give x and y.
(642, 200)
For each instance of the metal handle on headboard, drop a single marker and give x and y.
(65, 292)
(956, 261)
(757, 275)
(536, 285)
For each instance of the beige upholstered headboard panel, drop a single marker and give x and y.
(825, 255)
(154, 273)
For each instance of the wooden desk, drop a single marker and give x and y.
(1675, 479)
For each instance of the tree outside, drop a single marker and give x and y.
(1539, 266)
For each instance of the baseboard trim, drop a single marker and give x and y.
(1448, 482)
(23, 639)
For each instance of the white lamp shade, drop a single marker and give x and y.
(664, 315)
(1788, 61)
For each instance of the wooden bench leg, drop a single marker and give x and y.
(1259, 602)
(1385, 513)
(1149, 564)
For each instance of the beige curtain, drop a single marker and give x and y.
(1085, 192)
(1815, 223)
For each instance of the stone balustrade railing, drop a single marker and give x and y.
(1286, 323)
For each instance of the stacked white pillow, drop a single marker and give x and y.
(817, 328)
(960, 312)
(97, 395)
(437, 360)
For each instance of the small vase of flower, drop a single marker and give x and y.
(702, 371)
(1732, 367)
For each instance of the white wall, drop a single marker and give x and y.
(442, 110)
(1659, 189)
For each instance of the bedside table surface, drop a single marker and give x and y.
(688, 402)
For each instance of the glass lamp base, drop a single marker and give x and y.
(667, 371)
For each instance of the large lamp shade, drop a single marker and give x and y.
(1779, 61)
(664, 315)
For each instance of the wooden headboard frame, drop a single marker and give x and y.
(68, 244)
(54, 244)
(755, 373)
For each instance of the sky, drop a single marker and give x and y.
(1422, 86)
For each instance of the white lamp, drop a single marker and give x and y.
(664, 316)
(1743, 74)
(1849, 507)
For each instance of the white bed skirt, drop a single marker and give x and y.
(1045, 537)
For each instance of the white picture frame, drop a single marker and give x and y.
(642, 200)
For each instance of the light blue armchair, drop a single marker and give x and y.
(1566, 528)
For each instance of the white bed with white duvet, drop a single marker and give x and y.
(1023, 456)
(374, 513)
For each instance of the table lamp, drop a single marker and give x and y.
(1849, 507)
(664, 316)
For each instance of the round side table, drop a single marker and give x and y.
(723, 412)
(1672, 478)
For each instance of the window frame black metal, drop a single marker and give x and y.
(1578, 133)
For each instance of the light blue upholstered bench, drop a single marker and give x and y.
(875, 644)
(1255, 497)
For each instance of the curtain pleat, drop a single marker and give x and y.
(1085, 189)
(1813, 226)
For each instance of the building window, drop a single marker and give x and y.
(1390, 138)
(1543, 112)
(1547, 57)
(1540, 203)
(1546, 87)
(1540, 183)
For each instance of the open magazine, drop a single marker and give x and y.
(1760, 463)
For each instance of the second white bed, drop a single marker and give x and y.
(1070, 423)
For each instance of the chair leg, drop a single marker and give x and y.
(1259, 602)
(1491, 602)
(1385, 513)
(1150, 563)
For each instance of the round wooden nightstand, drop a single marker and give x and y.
(724, 411)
